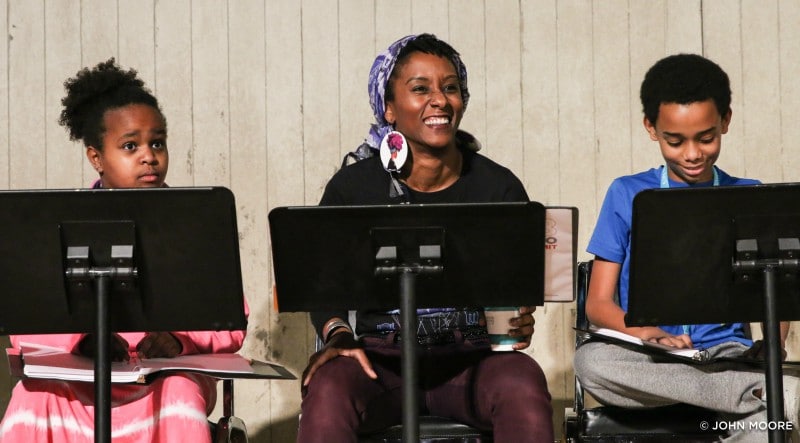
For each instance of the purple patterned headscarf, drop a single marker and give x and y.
(379, 76)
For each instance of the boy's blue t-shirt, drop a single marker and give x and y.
(611, 240)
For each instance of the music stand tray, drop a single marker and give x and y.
(408, 256)
(99, 260)
(324, 257)
(718, 255)
(186, 252)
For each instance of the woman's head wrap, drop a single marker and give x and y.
(379, 76)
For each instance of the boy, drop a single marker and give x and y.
(686, 100)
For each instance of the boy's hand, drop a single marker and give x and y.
(676, 341)
(658, 335)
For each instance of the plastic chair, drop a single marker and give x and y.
(674, 423)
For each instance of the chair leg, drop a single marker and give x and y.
(230, 429)
(570, 427)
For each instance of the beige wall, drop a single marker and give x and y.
(265, 96)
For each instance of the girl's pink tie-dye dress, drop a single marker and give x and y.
(171, 409)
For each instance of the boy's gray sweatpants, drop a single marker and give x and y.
(618, 376)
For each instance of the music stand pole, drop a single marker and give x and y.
(772, 339)
(430, 258)
(78, 271)
(408, 313)
(102, 363)
(774, 369)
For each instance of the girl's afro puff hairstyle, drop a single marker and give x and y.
(94, 91)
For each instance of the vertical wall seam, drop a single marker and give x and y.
(302, 105)
(44, 94)
(521, 42)
(155, 50)
(339, 70)
(780, 95)
(191, 86)
(228, 95)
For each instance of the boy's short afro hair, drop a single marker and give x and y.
(684, 79)
(94, 91)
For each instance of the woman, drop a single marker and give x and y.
(418, 92)
(125, 134)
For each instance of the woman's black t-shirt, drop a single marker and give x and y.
(367, 183)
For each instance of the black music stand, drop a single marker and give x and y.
(729, 253)
(382, 257)
(97, 261)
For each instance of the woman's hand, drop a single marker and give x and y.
(523, 327)
(158, 345)
(339, 344)
(118, 347)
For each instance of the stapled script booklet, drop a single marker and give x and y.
(693, 355)
(47, 362)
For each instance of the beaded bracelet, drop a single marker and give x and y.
(332, 326)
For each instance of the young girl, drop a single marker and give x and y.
(125, 134)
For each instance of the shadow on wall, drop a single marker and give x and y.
(283, 431)
(560, 407)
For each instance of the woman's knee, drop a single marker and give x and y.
(514, 371)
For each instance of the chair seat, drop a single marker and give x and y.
(431, 429)
(669, 423)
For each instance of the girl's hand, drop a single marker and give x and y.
(118, 348)
(159, 344)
